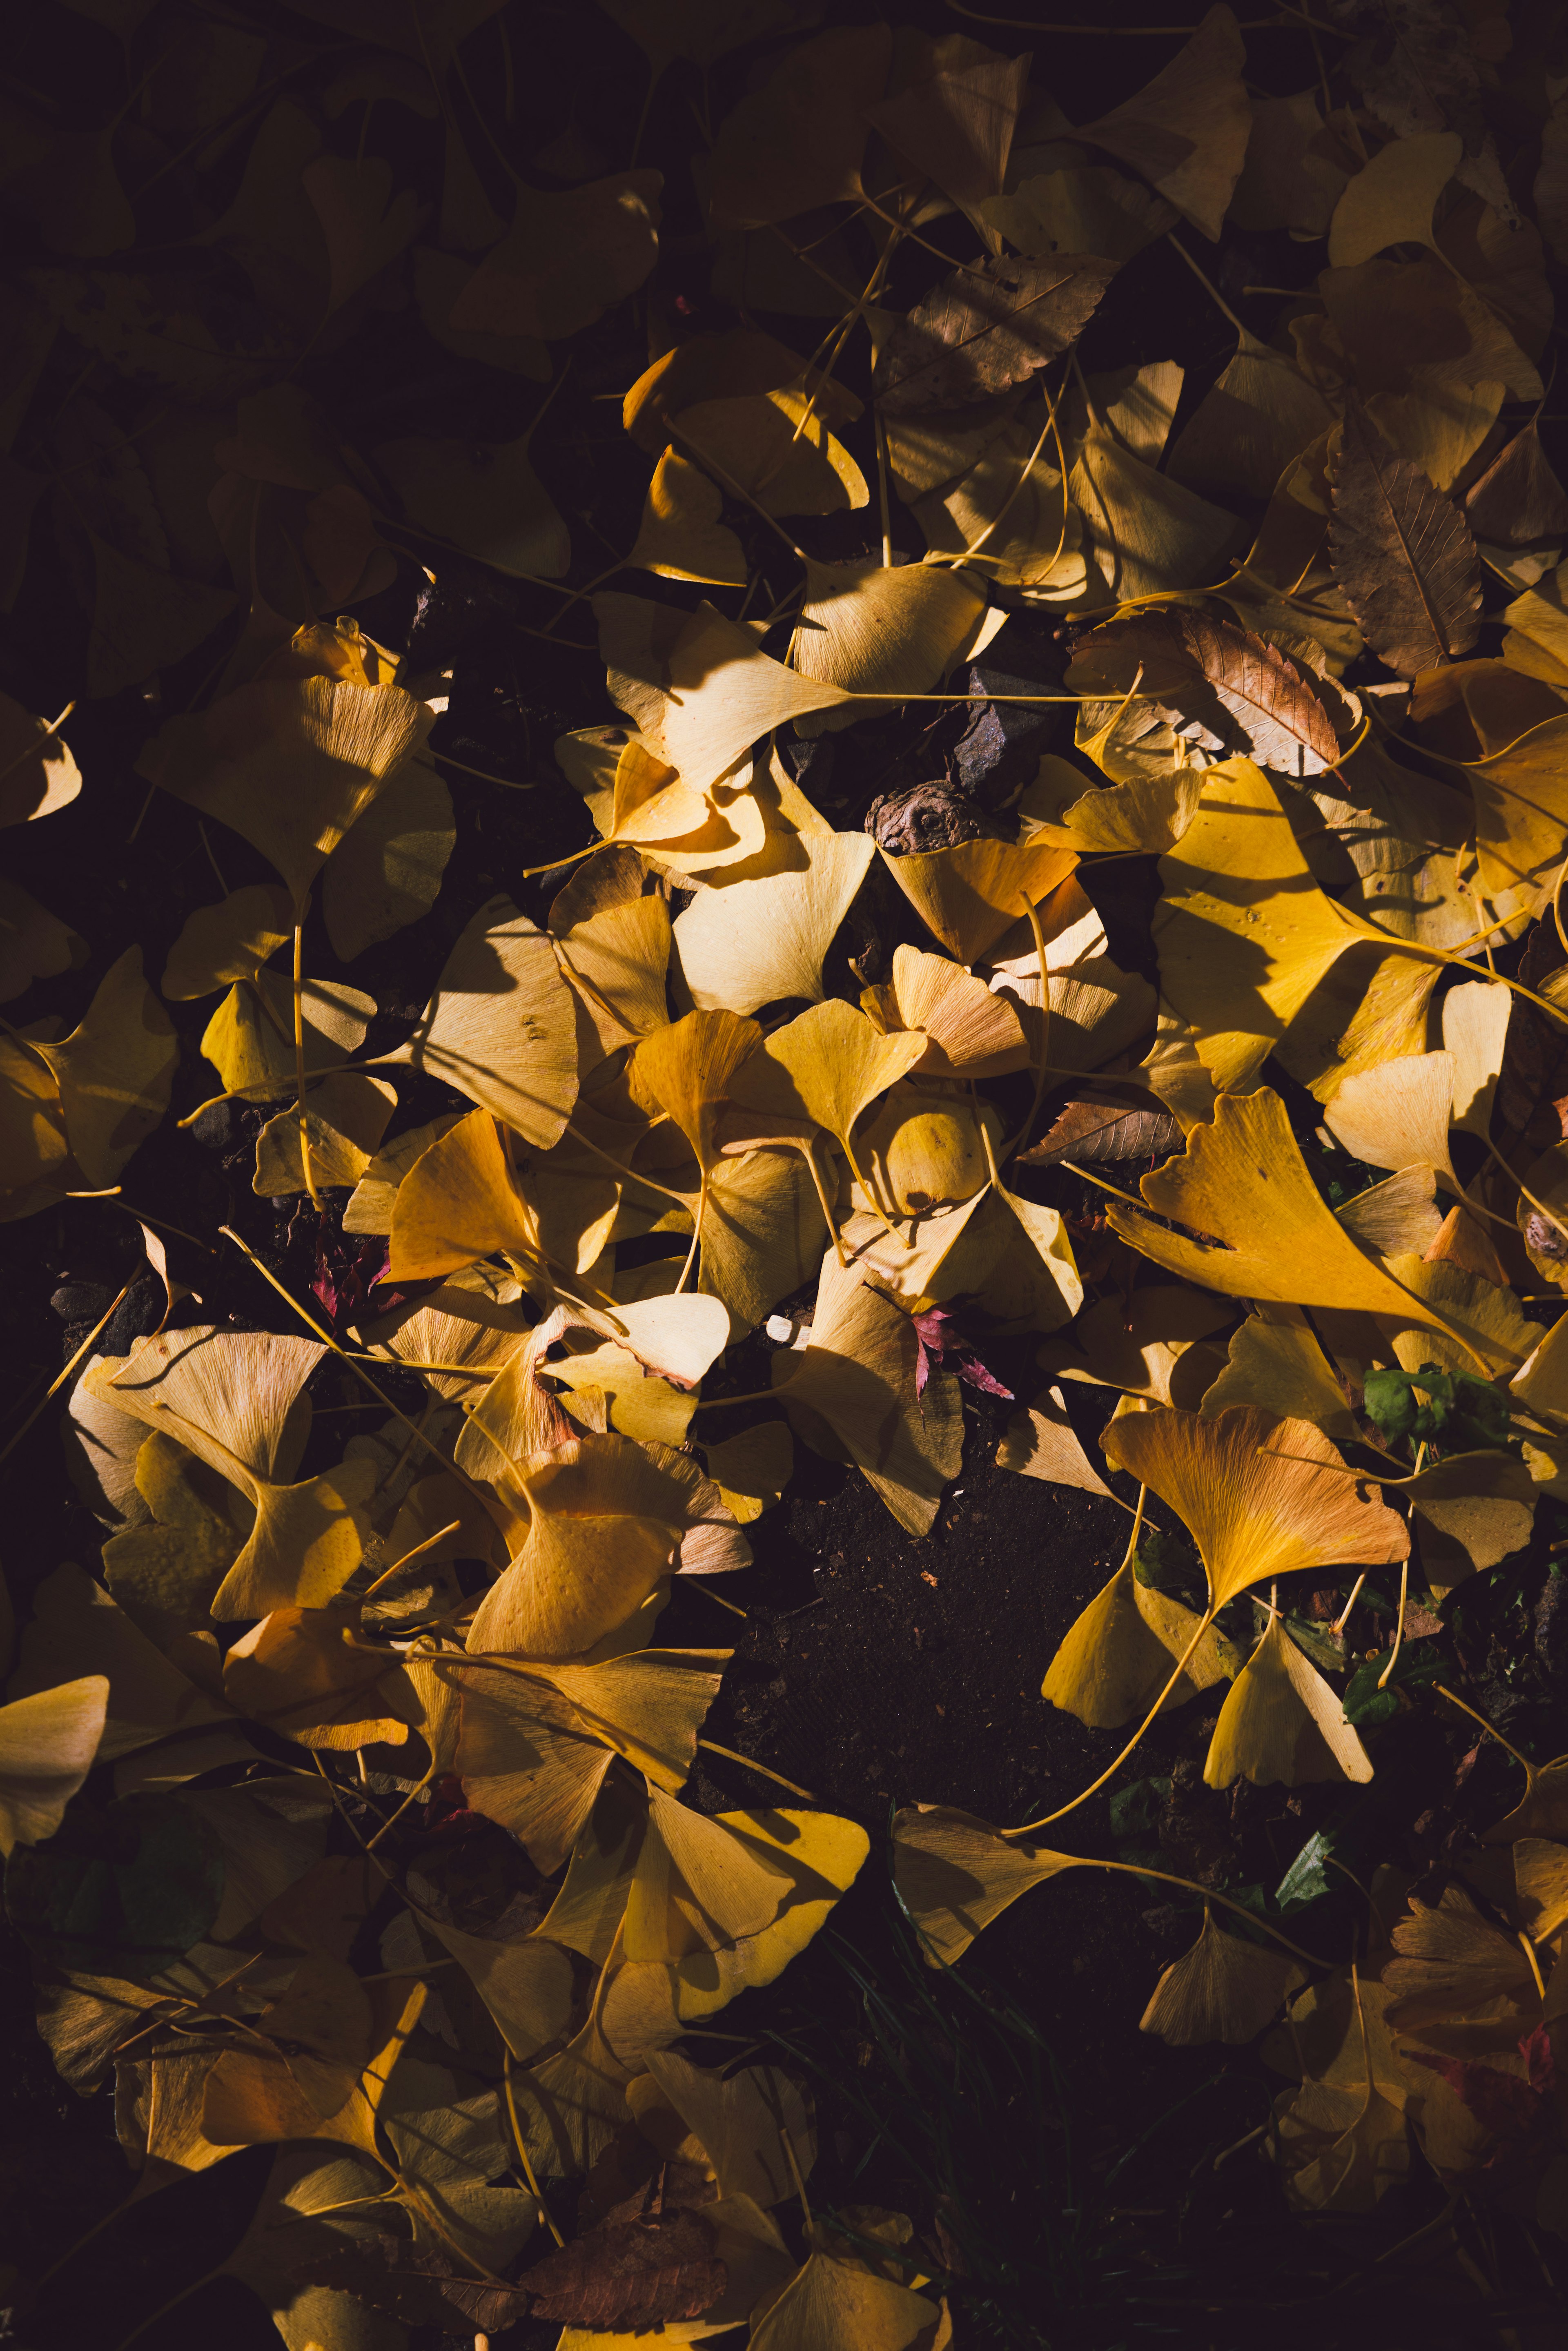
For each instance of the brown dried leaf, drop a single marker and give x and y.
(1097, 1132)
(985, 328)
(631, 2275)
(1241, 690)
(1404, 557)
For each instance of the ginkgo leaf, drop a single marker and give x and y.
(740, 2118)
(289, 766)
(1261, 1496)
(1518, 499)
(528, 1760)
(249, 1040)
(1242, 1180)
(799, 139)
(1281, 1720)
(483, 498)
(955, 1874)
(927, 1146)
(968, 895)
(882, 631)
(1222, 1989)
(48, 1743)
(76, 1626)
(853, 1390)
(115, 1071)
(1141, 816)
(1260, 414)
(1247, 941)
(1120, 1653)
(386, 871)
(1404, 556)
(748, 944)
(700, 689)
(1276, 1363)
(970, 1032)
(306, 1674)
(460, 1201)
(1520, 811)
(698, 1886)
(827, 1065)
(830, 2306)
(345, 1118)
(39, 773)
(567, 255)
(1186, 130)
(776, 448)
(1397, 1115)
(500, 1026)
(362, 229)
(1040, 1442)
(1146, 534)
(228, 942)
(681, 536)
(987, 328)
(1392, 200)
(685, 1071)
(606, 1524)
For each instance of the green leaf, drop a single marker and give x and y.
(1307, 1879)
(1417, 1667)
(1458, 1410)
(1134, 1810)
(120, 1891)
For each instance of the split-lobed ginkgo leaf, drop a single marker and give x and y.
(684, 1072)
(748, 944)
(1222, 1989)
(970, 1032)
(1261, 1496)
(1243, 1181)
(1283, 1721)
(827, 1065)
(289, 767)
(969, 895)
(48, 1743)
(955, 1874)
(1121, 1650)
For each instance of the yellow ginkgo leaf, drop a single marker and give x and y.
(699, 689)
(616, 958)
(1143, 533)
(752, 1468)
(851, 1391)
(1392, 200)
(1242, 1180)
(1259, 1497)
(460, 1201)
(1283, 1721)
(1397, 1115)
(114, 1072)
(526, 1760)
(288, 765)
(1247, 939)
(1222, 1989)
(48, 1743)
(698, 1886)
(1118, 1655)
(881, 631)
(968, 895)
(1520, 814)
(776, 446)
(926, 1144)
(748, 944)
(830, 2306)
(1141, 816)
(346, 1115)
(955, 1874)
(681, 536)
(1040, 1442)
(254, 2098)
(684, 1071)
(228, 942)
(501, 1026)
(827, 1065)
(606, 1524)
(249, 1040)
(970, 1031)
(38, 772)
(1276, 1363)
(306, 1674)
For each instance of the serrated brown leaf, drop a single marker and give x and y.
(985, 328)
(1519, 498)
(631, 2275)
(418, 2284)
(1404, 557)
(1097, 1134)
(1244, 693)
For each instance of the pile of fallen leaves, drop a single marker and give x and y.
(820, 1018)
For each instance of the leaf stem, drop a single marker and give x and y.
(103, 1320)
(301, 1114)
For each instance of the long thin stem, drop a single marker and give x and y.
(687, 1269)
(1539, 1205)
(752, 1765)
(299, 1109)
(1042, 1067)
(1112, 1769)
(1522, 1759)
(103, 1320)
(545, 2213)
